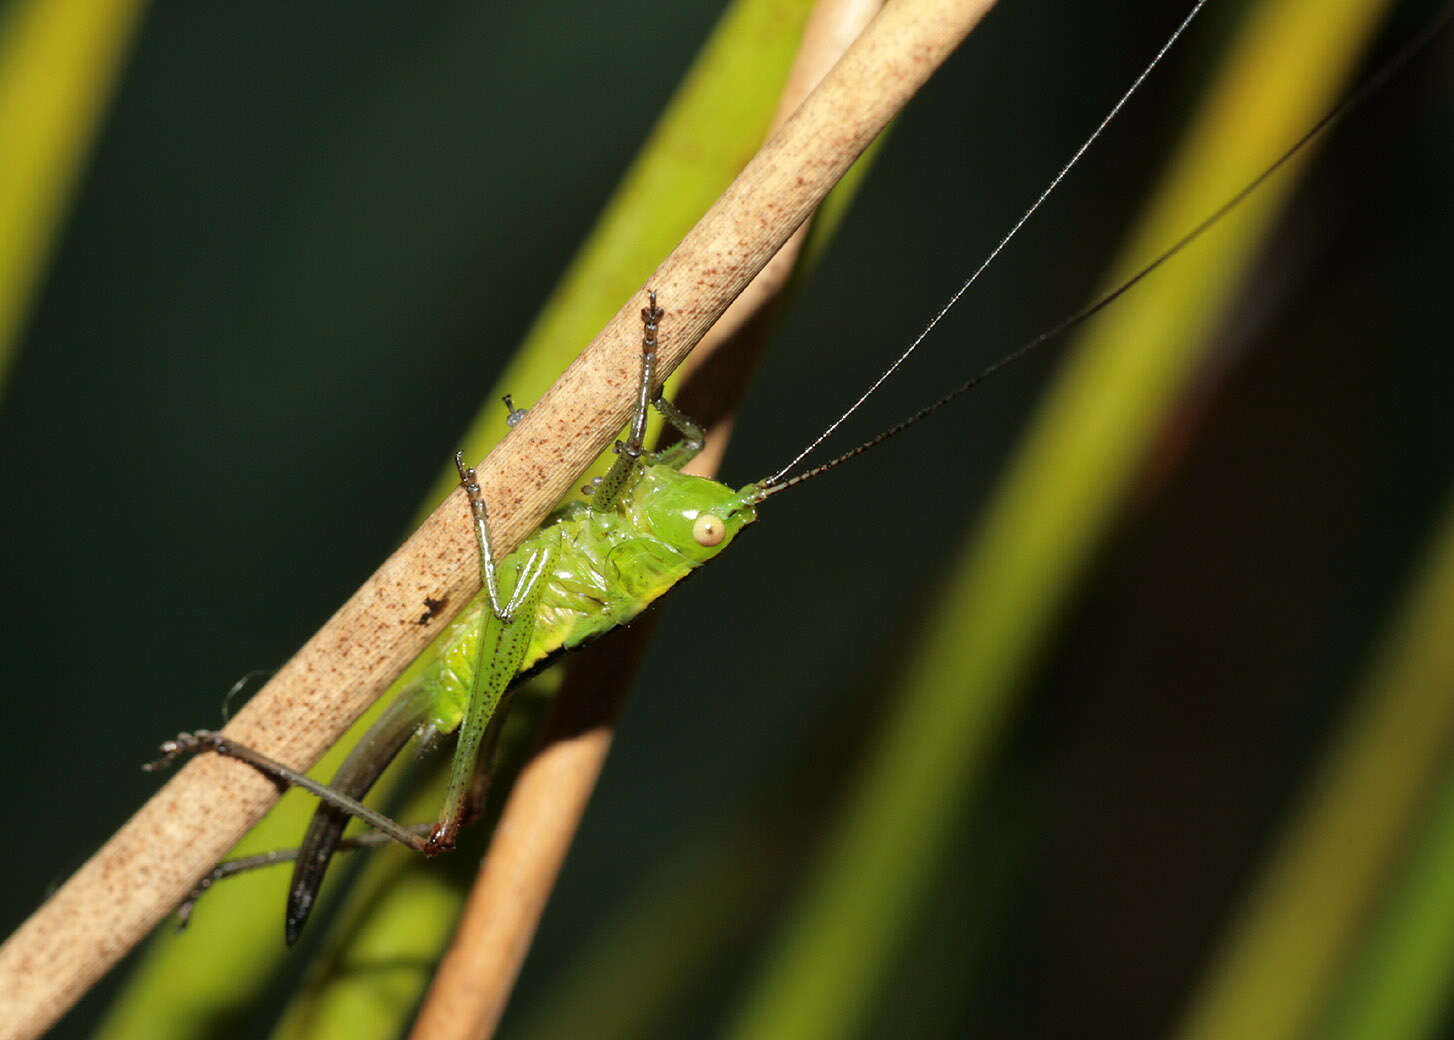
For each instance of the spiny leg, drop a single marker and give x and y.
(367, 840)
(207, 740)
(651, 316)
(337, 802)
(406, 715)
(247, 864)
(502, 647)
(623, 472)
(325, 831)
(609, 489)
(488, 573)
(379, 745)
(694, 438)
(504, 640)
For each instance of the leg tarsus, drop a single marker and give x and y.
(225, 870)
(182, 744)
(515, 414)
(207, 740)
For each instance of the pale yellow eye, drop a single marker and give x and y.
(709, 530)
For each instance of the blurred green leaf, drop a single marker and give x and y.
(1304, 918)
(1064, 488)
(1398, 986)
(59, 61)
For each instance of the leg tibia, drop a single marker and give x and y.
(693, 437)
(355, 777)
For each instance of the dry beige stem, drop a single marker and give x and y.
(548, 800)
(150, 864)
(832, 26)
(529, 844)
(544, 810)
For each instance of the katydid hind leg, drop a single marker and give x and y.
(502, 646)
(275, 857)
(323, 839)
(284, 776)
(363, 766)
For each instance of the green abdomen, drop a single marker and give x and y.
(602, 574)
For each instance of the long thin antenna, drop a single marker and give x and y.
(995, 252)
(1370, 86)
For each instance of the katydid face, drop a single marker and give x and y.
(693, 515)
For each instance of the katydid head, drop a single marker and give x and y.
(696, 516)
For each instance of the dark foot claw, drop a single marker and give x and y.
(184, 744)
(466, 473)
(652, 314)
(184, 912)
(440, 840)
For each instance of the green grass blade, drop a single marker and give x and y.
(58, 65)
(640, 972)
(1398, 987)
(1305, 915)
(660, 947)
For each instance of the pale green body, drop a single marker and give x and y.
(590, 567)
(593, 565)
(604, 568)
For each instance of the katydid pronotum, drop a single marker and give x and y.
(592, 566)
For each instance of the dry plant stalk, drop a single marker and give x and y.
(545, 806)
(123, 891)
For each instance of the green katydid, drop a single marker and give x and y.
(595, 565)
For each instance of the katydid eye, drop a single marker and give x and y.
(709, 530)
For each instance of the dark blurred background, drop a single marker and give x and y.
(308, 238)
